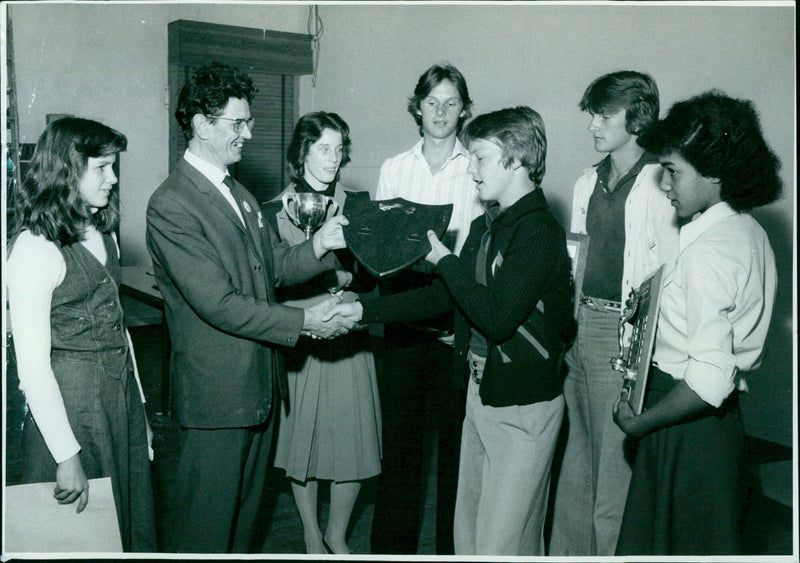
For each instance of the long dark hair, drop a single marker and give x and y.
(48, 202)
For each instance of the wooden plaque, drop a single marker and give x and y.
(636, 364)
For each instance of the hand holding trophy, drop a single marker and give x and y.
(307, 210)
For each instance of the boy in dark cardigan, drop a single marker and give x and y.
(512, 295)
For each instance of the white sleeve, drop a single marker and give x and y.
(710, 284)
(34, 269)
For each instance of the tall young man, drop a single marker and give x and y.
(416, 371)
(632, 231)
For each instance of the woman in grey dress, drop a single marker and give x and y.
(331, 430)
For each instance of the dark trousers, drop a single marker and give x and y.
(219, 488)
(686, 492)
(417, 389)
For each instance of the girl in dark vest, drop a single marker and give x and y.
(86, 417)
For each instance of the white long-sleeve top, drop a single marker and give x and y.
(34, 269)
(716, 303)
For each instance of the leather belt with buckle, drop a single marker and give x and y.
(601, 303)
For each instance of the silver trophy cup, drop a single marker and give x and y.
(307, 210)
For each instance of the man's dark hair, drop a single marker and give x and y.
(432, 78)
(207, 92)
(721, 138)
(635, 92)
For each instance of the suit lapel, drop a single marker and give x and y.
(210, 190)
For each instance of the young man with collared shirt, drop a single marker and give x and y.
(416, 367)
(716, 303)
(632, 231)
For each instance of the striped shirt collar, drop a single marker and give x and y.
(458, 150)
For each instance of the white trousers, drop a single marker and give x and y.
(504, 476)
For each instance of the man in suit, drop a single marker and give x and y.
(217, 263)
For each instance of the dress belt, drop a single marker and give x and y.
(600, 303)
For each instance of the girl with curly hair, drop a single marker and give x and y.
(716, 303)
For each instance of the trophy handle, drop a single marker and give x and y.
(287, 197)
(332, 203)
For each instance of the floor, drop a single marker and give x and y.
(767, 528)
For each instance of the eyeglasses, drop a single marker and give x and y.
(238, 124)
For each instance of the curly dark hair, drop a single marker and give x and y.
(207, 92)
(519, 132)
(721, 138)
(48, 202)
(429, 80)
(635, 92)
(307, 131)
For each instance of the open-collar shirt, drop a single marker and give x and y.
(409, 176)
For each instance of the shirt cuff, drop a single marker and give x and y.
(710, 383)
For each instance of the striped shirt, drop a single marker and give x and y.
(408, 175)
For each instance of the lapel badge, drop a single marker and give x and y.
(246, 206)
(260, 220)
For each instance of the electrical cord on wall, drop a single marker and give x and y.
(315, 29)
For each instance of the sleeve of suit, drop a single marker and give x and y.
(189, 257)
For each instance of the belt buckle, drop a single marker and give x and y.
(473, 372)
(603, 303)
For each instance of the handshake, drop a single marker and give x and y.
(332, 317)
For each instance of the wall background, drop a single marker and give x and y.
(109, 62)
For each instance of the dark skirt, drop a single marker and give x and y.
(686, 492)
(108, 419)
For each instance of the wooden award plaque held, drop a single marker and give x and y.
(641, 311)
(387, 236)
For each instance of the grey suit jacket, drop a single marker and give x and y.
(218, 284)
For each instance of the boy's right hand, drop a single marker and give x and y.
(71, 483)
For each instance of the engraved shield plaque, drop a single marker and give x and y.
(389, 235)
(642, 312)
